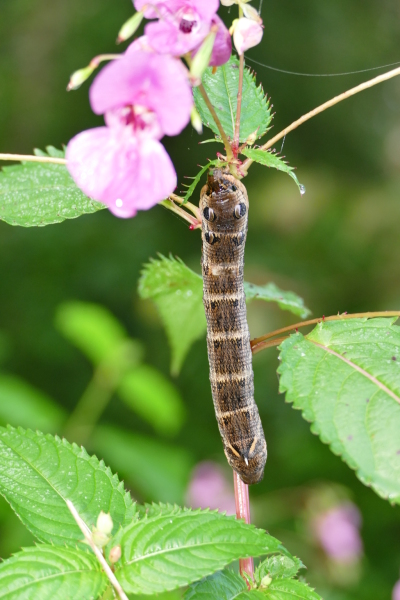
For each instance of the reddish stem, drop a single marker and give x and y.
(242, 501)
(235, 144)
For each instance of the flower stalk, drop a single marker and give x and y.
(242, 501)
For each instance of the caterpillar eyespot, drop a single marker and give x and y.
(209, 214)
(228, 337)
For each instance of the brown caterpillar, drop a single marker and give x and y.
(224, 208)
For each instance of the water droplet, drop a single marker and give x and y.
(118, 203)
(302, 189)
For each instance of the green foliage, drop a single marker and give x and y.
(271, 293)
(39, 472)
(157, 470)
(278, 566)
(38, 194)
(154, 398)
(178, 546)
(273, 161)
(290, 589)
(196, 179)
(224, 585)
(178, 291)
(22, 404)
(222, 90)
(345, 378)
(51, 573)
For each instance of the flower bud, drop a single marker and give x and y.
(196, 121)
(79, 77)
(129, 27)
(252, 138)
(251, 13)
(246, 34)
(104, 523)
(265, 581)
(99, 538)
(115, 554)
(202, 58)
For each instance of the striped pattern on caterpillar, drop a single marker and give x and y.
(224, 208)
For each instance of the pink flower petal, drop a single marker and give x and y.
(166, 37)
(114, 167)
(247, 33)
(396, 591)
(144, 78)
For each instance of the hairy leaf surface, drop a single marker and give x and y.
(224, 585)
(178, 291)
(345, 378)
(178, 546)
(51, 573)
(222, 90)
(278, 566)
(38, 194)
(38, 473)
(290, 589)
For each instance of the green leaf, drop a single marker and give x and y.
(38, 194)
(50, 151)
(345, 378)
(154, 398)
(22, 404)
(290, 589)
(156, 470)
(271, 293)
(224, 585)
(222, 90)
(38, 473)
(196, 179)
(96, 332)
(178, 291)
(50, 573)
(165, 551)
(269, 159)
(278, 566)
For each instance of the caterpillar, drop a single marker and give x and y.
(224, 208)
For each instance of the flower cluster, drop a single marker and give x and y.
(247, 31)
(143, 95)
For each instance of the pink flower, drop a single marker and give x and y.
(396, 591)
(182, 26)
(246, 34)
(123, 164)
(337, 531)
(208, 488)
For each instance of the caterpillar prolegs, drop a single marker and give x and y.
(224, 208)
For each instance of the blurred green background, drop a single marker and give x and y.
(337, 246)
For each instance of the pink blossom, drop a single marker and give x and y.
(337, 531)
(246, 34)
(120, 167)
(157, 82)
(208, 488)
(396, 591)
(182, 26)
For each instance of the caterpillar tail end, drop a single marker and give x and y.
(248, 465)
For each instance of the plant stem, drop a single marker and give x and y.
(236, 142)
(246, 565)
(169, 204)
(255, 344)
(88, 537)
(31, 158)
(228, 147)
(319, 109)
(268, 344)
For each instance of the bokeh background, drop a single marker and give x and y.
(338, 246)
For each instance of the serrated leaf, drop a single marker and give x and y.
(39, 472)
(22, 404)
(178, 291)
(345, 378)
(167, 551)
(196, 179)
(290, 589)
(268, 159)
(224, 585)
(157, 470)
(222, 90)
(51, 573)
(50, 151)
(271, 293)
(152, 396)
(38, 194)
(278, 566)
